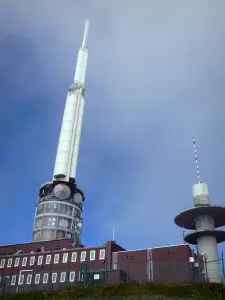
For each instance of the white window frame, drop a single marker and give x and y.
(54, 277)
(74, 257)
(17, 262)
(32, 260)
(63, 277)
(92, 252)
(9, 263)
(81, 276)
(81, 256)
(65, 258)
(40, 260)
(37, 278)
(29, 278)
(56, 259)
(21, 279)
(48, 259)
(96, 276)
(72, 276)
(2, 263)
(102, 256)
(24, 261)
(45, 278)
(13, 280)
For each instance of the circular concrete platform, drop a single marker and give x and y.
(192, 238)
(186, 218)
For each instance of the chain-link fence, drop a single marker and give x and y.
(44, 279)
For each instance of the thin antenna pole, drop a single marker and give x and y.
(196, 161)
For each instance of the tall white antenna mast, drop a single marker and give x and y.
(196, 160)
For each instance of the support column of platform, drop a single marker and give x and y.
(203, 218)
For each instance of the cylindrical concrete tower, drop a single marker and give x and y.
(203, 219)
(59, 206)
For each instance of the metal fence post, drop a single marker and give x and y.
(223, 274)
(174, 267)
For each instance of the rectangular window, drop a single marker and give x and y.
(72, 277)
(13, 281)
(102, 254)
(24, 261)
(40, 260)
(32, 260)
(17, 261)
(54, 277)
(45, 278)
(114, 266)
(48, 259)
(2, 263)
(83, 256)
(74, 257)
(63, 277)
(96, 276)
(9, 263)
(21, 278)
(56, 259)
(29, 278)
(92, 255)
(65, 257)
(37, 278)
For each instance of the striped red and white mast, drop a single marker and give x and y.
(196, 160)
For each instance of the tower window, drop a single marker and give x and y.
(24, 261)
(21, 278)
(29, 278)
(54, 277)
(74, 257)
(63, 277)
(32, 260)
(37, 278)
(13, 281)
(83, 256)
(48, 259)
(72, 276)
(92, 255)
(56, 259)
(65, 257)
(40, 259)
(45, 278)
(102, 254)
(17, 261)
(2, 263)
(9, 264)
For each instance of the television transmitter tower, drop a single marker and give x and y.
(203, 219)
(59, 206)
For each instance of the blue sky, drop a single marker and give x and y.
(155, 79)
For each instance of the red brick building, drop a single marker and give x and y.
(51, 264)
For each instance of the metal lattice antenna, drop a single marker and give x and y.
(196, 161)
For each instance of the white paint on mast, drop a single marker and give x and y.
(69, 140)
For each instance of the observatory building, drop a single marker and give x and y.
(59, 205)
(204, 219)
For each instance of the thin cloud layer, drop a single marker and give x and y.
(155, 78)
